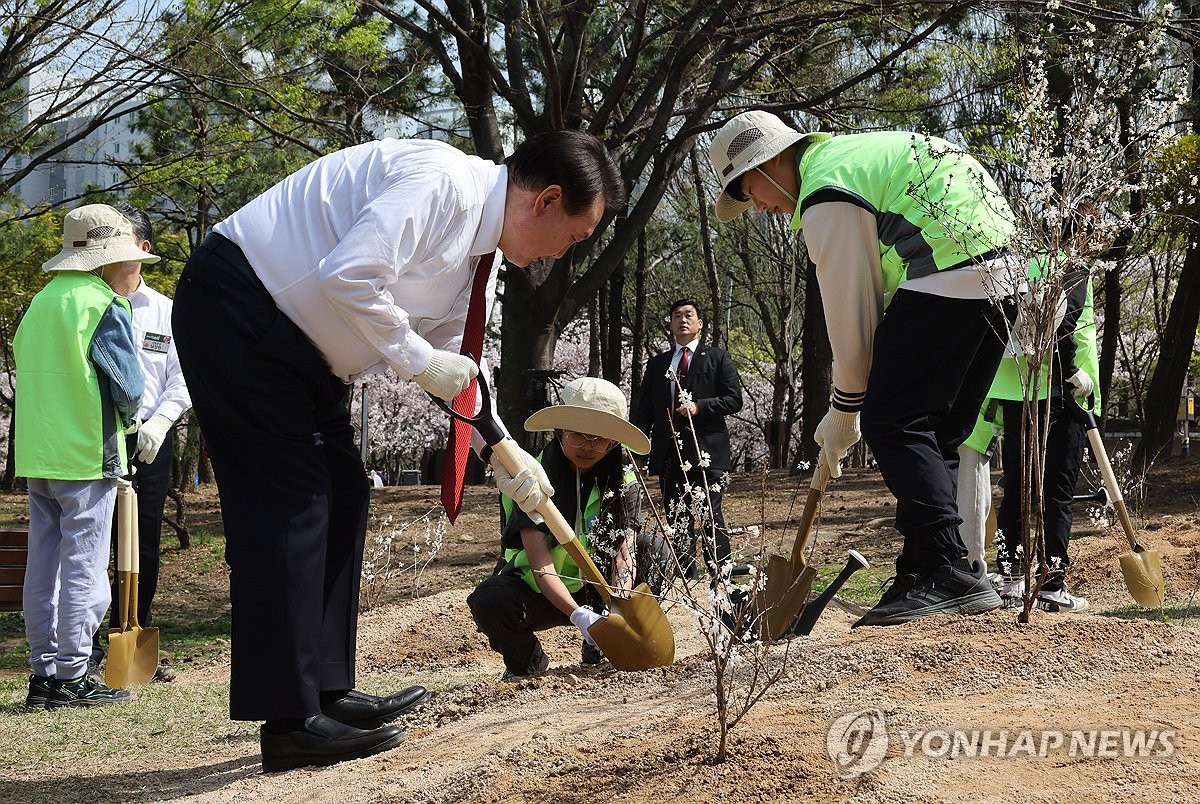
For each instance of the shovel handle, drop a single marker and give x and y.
(506, 452)
(1107, 473)
(135, 559)
(125, 520)
(816, 489)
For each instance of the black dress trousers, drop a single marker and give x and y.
(294, 494)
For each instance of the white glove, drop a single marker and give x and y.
(448, 374)
(584, 618)
(835, 435)
(151, 435)
(1082, 382)
(528, 487)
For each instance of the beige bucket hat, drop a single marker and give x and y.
(745, 142)
(593, 406)
(96, 235)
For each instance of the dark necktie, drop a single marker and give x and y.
(459, 444)
(681, 373)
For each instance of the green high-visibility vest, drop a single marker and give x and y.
(64, 429)
(935, 206)
(1011, 376)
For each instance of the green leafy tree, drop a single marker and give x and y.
(24, 246)
(647, 78)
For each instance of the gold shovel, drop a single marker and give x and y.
(1142, 568)
(132, 650)
(789, 580)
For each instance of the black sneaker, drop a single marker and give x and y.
(537, 664)
(83, 691)
(39, 692)
(591, 655)
(949, 589)
(901, 583)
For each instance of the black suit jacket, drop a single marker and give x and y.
(716, 389)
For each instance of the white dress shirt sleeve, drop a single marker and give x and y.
(843, 241)
(417, 220)
(174, 399)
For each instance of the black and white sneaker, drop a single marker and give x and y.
(1012, 591)
(1060, 601)
(39, 692)
(83, 691)
(949, 589)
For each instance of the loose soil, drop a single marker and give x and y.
(594, 735)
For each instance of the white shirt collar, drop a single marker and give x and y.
(691, 345)
(491, 225)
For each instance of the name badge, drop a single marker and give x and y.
(156, 343)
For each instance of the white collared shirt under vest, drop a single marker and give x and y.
(165, 391)
(371, 250)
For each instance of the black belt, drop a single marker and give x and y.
(229, 253)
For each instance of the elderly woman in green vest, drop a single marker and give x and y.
(538, 586)
(78, 389)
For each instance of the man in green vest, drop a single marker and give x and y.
(1069, 369)
(909, 236)
(78, 389)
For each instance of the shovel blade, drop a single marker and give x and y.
(1143, 577)
(636, 634)
(132, 657)
(782, 611)
(780, 577)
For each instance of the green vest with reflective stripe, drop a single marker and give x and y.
(935, 207)
(1009, 383)
(60, 415)
(564, 566)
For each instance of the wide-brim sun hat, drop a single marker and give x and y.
(592, 406)
(96, 235)
(745, 142)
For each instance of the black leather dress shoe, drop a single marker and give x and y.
(370, 711)
(323, 741)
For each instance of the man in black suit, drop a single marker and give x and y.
(712, 390)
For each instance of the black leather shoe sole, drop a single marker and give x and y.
(309, 750)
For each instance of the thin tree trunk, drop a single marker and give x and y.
(595, 336)
(639, 321)
(1175, 353)
(613, 347)
(713, 322)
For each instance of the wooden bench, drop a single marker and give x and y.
(14, 554)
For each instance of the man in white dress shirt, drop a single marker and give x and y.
(151, 449)
(360, 261)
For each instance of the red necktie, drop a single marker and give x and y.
(681, 374)
(459, 444)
